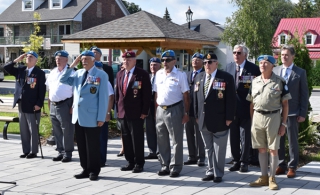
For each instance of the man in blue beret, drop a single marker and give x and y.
(151, 132)
(29, 95)
(268, 96)
(60, 105)
(90, 102)
(194, 140)
(172, 112)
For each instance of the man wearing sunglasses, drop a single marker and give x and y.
(195, 143)
(243, 72)
(214, 110)
(172, 112)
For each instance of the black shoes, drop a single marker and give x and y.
(235, 167)
(82, 175)
(128, 167)
(66, 159)
(58, 158)
(31, 155)
(23, 155)
(137, 169)
(208, 178)
(151, 156)
(217, 179)
(243, 168)
(120, 154)
(93, 177)
(201, 164)
(163, 172)
(190, 162)
(174, 174)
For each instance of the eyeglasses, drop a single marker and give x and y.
(166, 60)
(236, 52)
(208, 62)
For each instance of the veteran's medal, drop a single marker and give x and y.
(139, 84)
(93, 90)
(220, 94)
(135, 92)
(33, 82)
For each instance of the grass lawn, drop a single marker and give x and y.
(316, 87)
(9, 77)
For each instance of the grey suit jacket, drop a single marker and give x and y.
(298, 88)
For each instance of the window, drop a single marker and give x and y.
(282, 39)
(43, 30)
(28, 4)
(56, 3)
(104, 58)
(99, 10)
(16, 30)
(308, 39)
(1, 32)
(64, 29)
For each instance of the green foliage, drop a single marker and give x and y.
(315, 76)
(280, 9)
(303, 9)
(167, 15)
(34, 43)
(131, 7)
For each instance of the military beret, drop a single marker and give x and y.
(210, 56)
(96, 48)
(168, 53)
(198, 55)
(154, 59)
(129, 54)
(33, 53)
(268, 58)
(98, 64)
(87, 53)
(62, 53)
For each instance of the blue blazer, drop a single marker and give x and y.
(90, 101)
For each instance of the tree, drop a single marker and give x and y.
(167, 15)
(34, 43)
(303, 9)
(250, 25)
(316, 8)
(131, 7)
(280, 9)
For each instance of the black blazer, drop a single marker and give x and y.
(243, 106)
(213, 111)
(109, 71)
(31, 95)
(191, 85)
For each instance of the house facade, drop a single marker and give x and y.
(58, 18)
(308, 31)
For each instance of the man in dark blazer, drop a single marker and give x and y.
(296, 79)
(243, 72)
(29, 94)
(215, 106)
(133, 96)
(195, 143)
(108, 69)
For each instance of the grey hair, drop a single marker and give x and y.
(290, 48)
(244, 48)
(92, 58)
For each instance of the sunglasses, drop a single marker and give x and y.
(166, 60)
(208, 62)
(236, 52)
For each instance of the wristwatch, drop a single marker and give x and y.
(186, 113)
(108, 113)
(285, 125)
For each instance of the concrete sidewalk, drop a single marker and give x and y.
(43, 176)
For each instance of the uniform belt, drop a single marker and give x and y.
(267, 112)
(57, 103)
(166, 107)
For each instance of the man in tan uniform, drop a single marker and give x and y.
(268, 96)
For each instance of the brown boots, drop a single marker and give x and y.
(265, 181)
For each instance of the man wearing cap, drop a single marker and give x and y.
(296, 79)
(105, 127)
(60, 105)
(108, 69)
(133, 95)
(214, 110)
(29, 94)
(151, 131)
(243, 72)
(268, 95)
(172, 112)
(90, 101)
(194, 140)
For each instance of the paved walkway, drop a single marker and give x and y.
(43, 176)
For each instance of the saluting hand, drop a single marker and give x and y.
(20, 58)
(76, 62)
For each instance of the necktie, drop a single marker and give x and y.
(26, 76)
(125, 82)
(237, 75)
(152, 79)
(206, 85)
(286, 75)
(84, 78)
(194, 75)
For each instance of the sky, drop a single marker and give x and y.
(215, 10)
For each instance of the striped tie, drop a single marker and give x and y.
(206, 86)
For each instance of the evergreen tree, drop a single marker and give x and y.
(303, 9)
(131, 7)
(167, 15)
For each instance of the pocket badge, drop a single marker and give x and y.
(93, 90)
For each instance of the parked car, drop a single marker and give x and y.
(1, 75)
(46, 71)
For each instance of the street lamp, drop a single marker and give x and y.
(189, 14)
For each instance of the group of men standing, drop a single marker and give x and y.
(207, 102)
